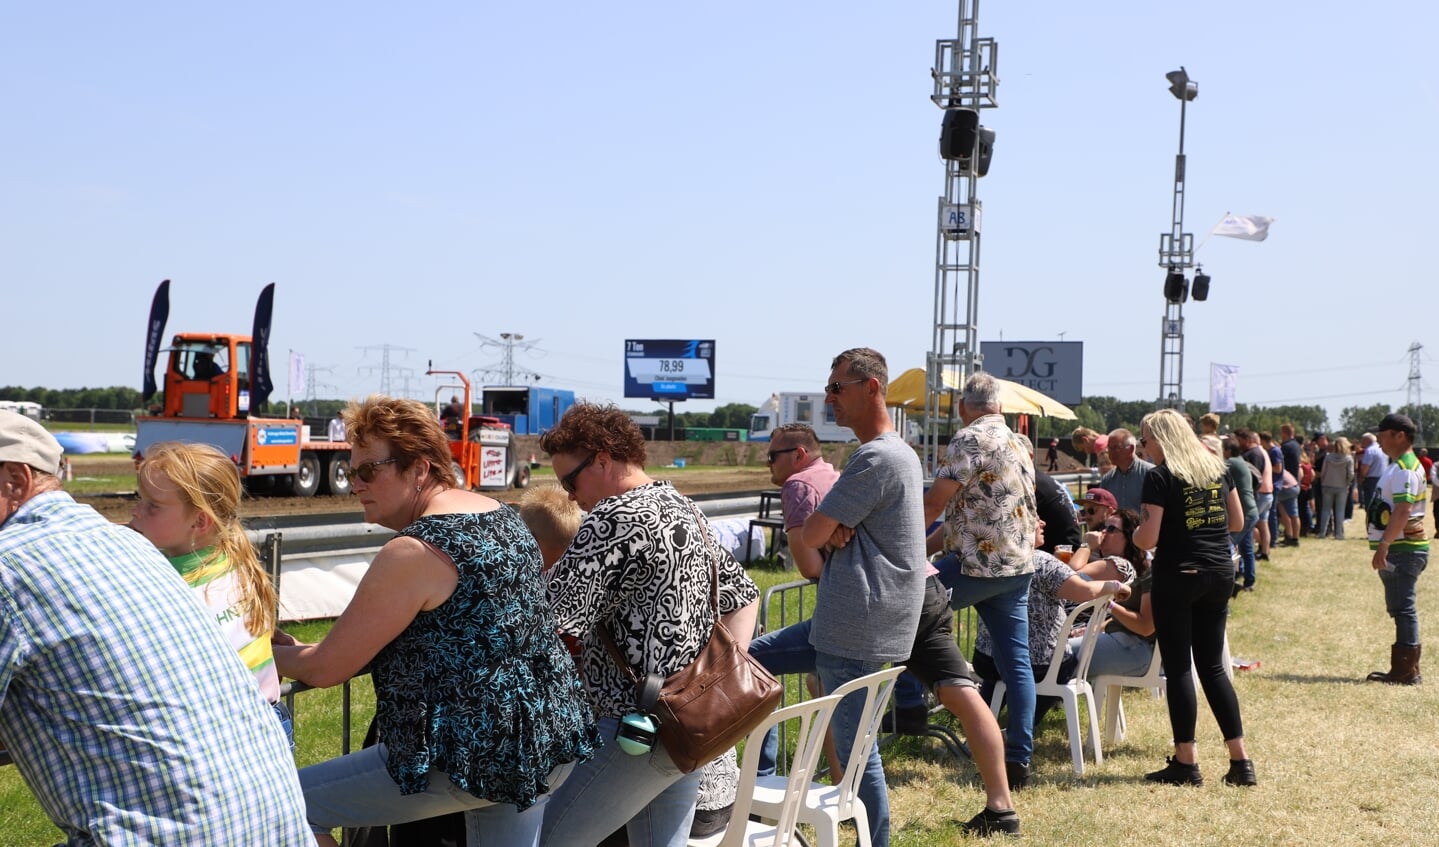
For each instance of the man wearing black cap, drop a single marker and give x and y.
(1400, 544)
(122, 705)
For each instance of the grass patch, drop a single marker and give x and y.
(1339, 761)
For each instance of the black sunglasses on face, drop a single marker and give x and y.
(567, 482)
(775, 454)
(1108, 528)
(837, 387)
(366, 473)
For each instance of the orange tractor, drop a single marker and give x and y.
(483, 448)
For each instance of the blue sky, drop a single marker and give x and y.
(763, 174)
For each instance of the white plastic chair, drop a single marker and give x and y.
(1077, 687)
(826, 805)
(813, 716)
(1109, 688)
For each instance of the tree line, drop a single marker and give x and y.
(1102, 414)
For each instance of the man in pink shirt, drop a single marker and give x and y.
(804, 477)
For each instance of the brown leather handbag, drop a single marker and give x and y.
(707, 707)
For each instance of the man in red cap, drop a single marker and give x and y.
(1095, 506)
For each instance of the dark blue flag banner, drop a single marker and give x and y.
(260, 383)
(154, 336)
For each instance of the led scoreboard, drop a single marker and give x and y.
(670, 370)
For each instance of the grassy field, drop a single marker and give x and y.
(1339, 761)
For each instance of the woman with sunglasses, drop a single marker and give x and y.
(1126, 647)
(478, 705)
(1190, 507)
(640, 568)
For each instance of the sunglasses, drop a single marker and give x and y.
(567, 482)
(1090, 510)
(366, 473)
(775, 454)
(836, 387)
(1108, 528)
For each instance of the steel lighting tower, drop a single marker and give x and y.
(1176, 254)
(964, 83)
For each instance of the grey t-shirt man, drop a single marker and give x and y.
(871, 591)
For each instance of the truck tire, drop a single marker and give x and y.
(337, 475)
(460, 480)
(306, 480)
(522, 475)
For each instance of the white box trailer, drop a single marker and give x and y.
(798, 407)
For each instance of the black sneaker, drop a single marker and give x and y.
(1241, 772)
(1018, 774)
(1176, 772)
(990, 822)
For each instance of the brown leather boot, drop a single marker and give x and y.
(1403, 667)
(1409, 670)
(1386, 676)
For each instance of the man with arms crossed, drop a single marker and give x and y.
(125, 710)
(875, 605)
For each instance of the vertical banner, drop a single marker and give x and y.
(260, 383)
(1223, 387)
(297, 375)
(154, 336)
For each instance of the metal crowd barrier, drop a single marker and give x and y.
(791, 602)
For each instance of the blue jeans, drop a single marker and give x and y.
(784, 651)
(1116, 654)
(357, 790)
(648, 792)
(1244, 543)
(1262, 505)
(1003, 606)
(835, 671)
(1401, 583)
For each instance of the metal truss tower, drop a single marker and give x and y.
(964, 74)
(1176, 253)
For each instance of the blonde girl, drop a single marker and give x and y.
(189, 508)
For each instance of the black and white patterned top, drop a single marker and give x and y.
(641, 566)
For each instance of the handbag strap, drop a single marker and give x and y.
(648, 691)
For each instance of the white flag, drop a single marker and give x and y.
(1247, 227)
(1223, 387)
(297, 374)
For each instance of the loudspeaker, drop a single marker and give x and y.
(984, 151)
(1201, 286)
(1176, 287)
(958, 134)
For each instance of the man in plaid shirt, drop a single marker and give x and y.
(125, 710)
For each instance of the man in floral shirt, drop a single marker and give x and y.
(986, 488)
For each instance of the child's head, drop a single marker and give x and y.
(190, 501)
(188, 494)
(552, 518)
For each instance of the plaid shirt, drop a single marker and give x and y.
(127, 713)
